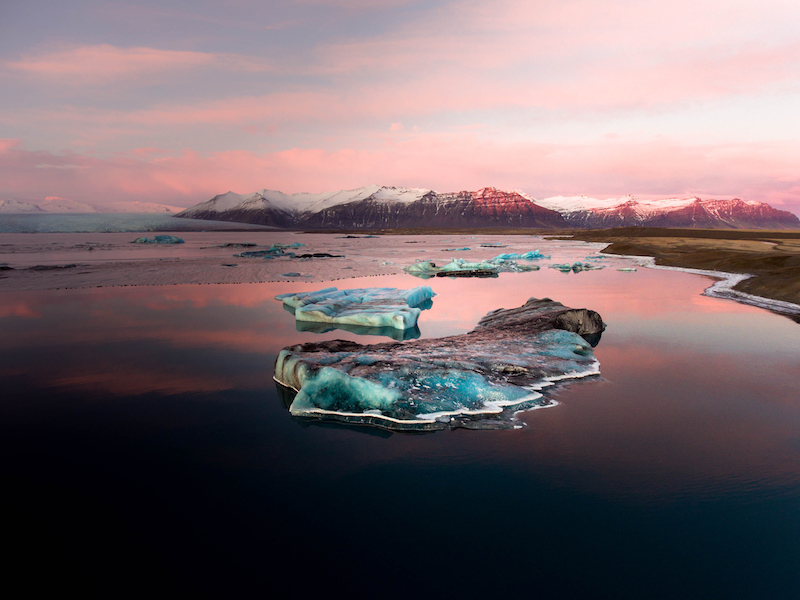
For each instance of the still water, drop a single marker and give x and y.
(146, 447)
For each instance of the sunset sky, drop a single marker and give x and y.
(175, 101)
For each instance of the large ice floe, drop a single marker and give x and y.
(460, 267)
(475, 380)
(369, 311)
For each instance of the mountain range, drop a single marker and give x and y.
(377, 207)
(53, 204)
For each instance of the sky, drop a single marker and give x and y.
(175, 101)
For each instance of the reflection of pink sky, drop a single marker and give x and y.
(655, 376)
(187, 316)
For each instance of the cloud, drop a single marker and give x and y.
(103, 62)
(753, 171)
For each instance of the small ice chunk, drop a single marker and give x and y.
(576, 267)
(531, 255)
(159, 239)
(463, 267)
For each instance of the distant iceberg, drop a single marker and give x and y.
(462, 267)
(366, 307)
(158, 239)
(532, 255)
(576, 267)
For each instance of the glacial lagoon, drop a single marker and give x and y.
(147, 443)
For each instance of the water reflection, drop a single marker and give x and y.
(151, 412)
(400, 335)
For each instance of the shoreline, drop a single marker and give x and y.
(758, 267)
(764, 264)
(724, 287)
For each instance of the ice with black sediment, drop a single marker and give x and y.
(502, 263)
(158, 239)
(478, 379)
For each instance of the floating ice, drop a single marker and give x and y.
(576, 267)
(271, 252)
(159, 239)
(455, 249)
(368, 307)
(627, 269)
(465, 268)
(448, 382)
(532, 255)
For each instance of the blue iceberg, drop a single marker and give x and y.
(271, 252)
(532, 255)
(367, 307)
(159, 239)
(459, 381)
(576, 267)
(460, 267)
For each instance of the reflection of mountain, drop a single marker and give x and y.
(375, 207)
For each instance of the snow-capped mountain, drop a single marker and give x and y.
(54, 204)
(586, 212)
(374, 207)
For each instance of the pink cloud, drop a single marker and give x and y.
(754, 171)
(104, 62)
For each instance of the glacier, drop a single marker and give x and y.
(474, 380)
(366, 307)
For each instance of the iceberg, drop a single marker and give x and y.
(532, 255)
(576, 267)
(475, 380)
(271, 252)
(367, 307)
(460, 267)
(159, 239)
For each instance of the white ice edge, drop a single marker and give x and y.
(490, 407)
(724, 287)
